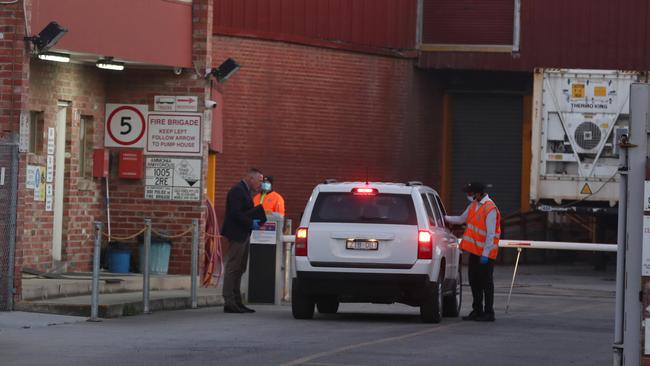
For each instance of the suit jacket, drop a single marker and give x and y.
(240, 213)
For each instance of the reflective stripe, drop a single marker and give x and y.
(477, 243)
(482, 232)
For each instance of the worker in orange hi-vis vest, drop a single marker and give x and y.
(481, 241)
(271, 200)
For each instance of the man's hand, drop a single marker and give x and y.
(256, 224)
(484, 259)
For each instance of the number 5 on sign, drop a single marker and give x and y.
(125, 125)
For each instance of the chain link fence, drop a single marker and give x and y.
(8, 200)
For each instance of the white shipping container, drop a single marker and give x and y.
(578, 118)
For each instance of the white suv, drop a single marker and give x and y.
(378, 243)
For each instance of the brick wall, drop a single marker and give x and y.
(83, 87)
(87, 90)
(304, 114)
(128, 206)
(14, 89)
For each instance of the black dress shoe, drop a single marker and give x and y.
(485, 317)
(472, 316)
(233, 309)
(246, 308)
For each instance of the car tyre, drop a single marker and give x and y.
(453, 301)
(328, 306)
(302, 306)
(431, 306)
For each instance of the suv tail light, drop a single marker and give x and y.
(425, 245)
(365, 191)
(301, 242)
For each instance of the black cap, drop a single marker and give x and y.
(474, 187)
(269, 178)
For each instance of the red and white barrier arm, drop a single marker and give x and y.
(527, 244)
(556, 245)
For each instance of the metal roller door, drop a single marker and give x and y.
(486, 146)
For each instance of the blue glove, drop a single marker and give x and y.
(484, 259)
(256, 224)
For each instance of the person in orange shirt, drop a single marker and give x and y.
(271, 200)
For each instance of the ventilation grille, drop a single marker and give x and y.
(587, 135)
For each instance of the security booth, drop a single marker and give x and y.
(265, 263)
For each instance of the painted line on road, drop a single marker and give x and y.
(315, 356)
(307, 359)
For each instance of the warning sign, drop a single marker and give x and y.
(173, 179)
(174, 134)
(586, 189)
(125, 125)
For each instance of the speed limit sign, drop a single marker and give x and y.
(125, 125)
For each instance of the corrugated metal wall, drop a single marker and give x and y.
(374, 23)
(486, 147)
(600, 34)
(468, 21)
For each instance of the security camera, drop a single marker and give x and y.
(178, 70)
(210, 104)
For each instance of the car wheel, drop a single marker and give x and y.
(302, 306)
(328, 306)
(431, 307)
(453, 301)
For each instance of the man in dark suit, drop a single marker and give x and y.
(241, 218)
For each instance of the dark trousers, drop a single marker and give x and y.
(234, 269)
(482, 284)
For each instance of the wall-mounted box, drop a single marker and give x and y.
(131, 164)
(100, 163)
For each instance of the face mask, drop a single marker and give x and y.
(266, 186)
(470, 198)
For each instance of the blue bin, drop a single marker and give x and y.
(158, 257)
(119, 260)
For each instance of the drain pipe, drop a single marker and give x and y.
(620, 254)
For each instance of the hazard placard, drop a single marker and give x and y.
(126, 125)
(586, 189)
(173, 179)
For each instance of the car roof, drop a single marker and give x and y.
(383, 187)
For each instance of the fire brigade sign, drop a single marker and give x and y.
(174, 134)
(173, 179)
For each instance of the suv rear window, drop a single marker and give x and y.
(383, 208)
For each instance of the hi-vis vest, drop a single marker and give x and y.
(475, 235)
(272, 202)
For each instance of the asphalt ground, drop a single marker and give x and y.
(562, 325)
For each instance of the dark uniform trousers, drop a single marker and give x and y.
(482, 283)
(234, 269)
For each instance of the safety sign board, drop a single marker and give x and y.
(33, 176)
(173, 179)
(164, 103)
(266, 234)
(126, 125)
(49, 193)
(174, 134)
(170, 103)
(645, 250)
(646, 195)
(586, 189)
(187, 104)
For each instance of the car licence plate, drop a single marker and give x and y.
(362, 244)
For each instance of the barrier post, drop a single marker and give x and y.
(195, 262)
(145, 274)
(286, 297)
(94, 299)
(514, 274)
